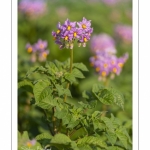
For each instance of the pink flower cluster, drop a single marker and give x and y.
(32, 8)
(38, 50)
(102, 42)
(124, 32)
(67, 33)
(106, 64)
(105, 61)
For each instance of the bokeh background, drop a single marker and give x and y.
(37, 21)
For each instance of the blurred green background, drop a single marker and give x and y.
(103, 19)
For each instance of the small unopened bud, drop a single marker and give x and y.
(84, 44)
(112, 76)
(79, 44)
(71, 46)
(67, 45)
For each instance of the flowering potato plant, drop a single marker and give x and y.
(75, 125)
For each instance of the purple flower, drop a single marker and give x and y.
(84, 24)
(66, 34)
(124, 32)
(32, 8)
(29, 48)
(40, 45)
(103, 42)
(39, 51)
(106, 64)
(69, 25)
(76, 33)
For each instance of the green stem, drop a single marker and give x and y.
(48, 123)
(71, 63)
(54, 121)
(106, 83)
(105, 107)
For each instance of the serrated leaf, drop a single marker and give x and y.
(105, 96)
(32, 70)
(108, 123)
(79, 133)
(42, 69)
(70, 77)
(96, 124)
(97, 88)
(60, 113)
(91, 140)
(114, 148)
(39, 87)
(123, 139)
(77, 73)
(43, 136)
(60, 139)
(84, 147)
(59, 89)
(80, 66)
(111, 137)
(26, 85)
(58, 64)
(118, 98)
(87, 95)
(48, 103)
(50, 65)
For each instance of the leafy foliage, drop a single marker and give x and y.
(76, 126)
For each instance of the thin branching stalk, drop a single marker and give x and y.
(71, 63)
(52, 133)
(54, 121)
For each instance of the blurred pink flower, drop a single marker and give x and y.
(124, 33)
(33, 8)
(102, 42)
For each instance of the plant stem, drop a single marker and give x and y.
(54, 121)
(48, 123)
(71, 63)
(105, 107)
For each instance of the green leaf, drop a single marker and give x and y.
(114, 148)
(58, 64)
(39, 87)
(118, 98)
(79, 133)
(123, 138)
(42, 69)
(97, 88)
(51, 67)
(49, 102)
(108, 123)
(105, 96)
(26, 85)
(61, 141)
(62, 91)
(108, 96)
(32, 70)
(91, 140)
(43, 136)
(77, 73)
(98, 125)
(84, 147)
(60, 113)
(70, 77)
(111, 137)
(80, 66)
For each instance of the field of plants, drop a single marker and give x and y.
(75, 75)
